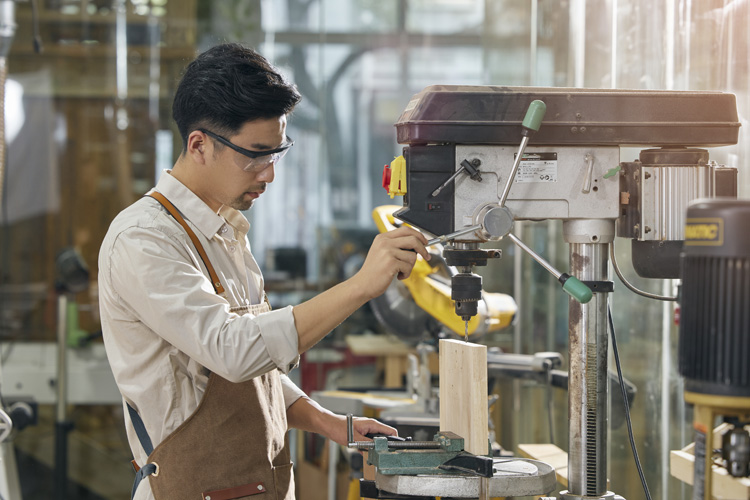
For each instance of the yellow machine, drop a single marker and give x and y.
(428, 287)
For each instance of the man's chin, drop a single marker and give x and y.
(242, 204)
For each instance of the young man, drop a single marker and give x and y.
(198, 357)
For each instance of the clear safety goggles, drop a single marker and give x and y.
(258, 159)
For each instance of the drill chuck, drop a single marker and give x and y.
(466, 290)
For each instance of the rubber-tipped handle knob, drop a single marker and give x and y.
(577, 289)
(534, 115)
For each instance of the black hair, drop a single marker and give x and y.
(227, 86)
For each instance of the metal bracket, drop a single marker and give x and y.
(600, 286)
(471, 464)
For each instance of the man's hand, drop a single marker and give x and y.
(362, 426)
(391, 254)
(309, 416)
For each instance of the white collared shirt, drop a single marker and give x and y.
(165, 327)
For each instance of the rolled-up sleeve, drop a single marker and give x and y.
(280, 337)
(291, 392)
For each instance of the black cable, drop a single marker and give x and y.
(550, 415)
(5, 229)
(37, 38)
(625, 402)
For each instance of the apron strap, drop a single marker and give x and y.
(140, 430)
(144, 471)
(201, 252)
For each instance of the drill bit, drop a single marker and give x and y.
(466, 331)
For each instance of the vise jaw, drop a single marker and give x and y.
(444, 455)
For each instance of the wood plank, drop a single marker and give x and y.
(463, 393)
(377, 345)
(395, 368)
(723, 486)
(550, 454)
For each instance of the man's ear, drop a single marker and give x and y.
(197, 146)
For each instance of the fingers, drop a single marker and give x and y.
(407, 231)
(407, 238)
(364, 426)
(403, 232)
(405, 263)
(392, 254)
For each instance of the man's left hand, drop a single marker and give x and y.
(361, 427)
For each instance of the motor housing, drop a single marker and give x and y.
(715, 299)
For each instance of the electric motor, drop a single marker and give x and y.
(715, 304)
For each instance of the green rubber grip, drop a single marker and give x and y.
(578, 290)
(612, 171)
(534, 115)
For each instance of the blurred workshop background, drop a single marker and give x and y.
(89, 130)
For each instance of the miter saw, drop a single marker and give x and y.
(465, 179)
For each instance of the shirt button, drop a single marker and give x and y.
(224, 228)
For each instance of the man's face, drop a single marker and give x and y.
(242, 179)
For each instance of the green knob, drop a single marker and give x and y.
(577, 289)
(612, 171)
(534, 115)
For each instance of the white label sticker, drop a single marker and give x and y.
(537, 167)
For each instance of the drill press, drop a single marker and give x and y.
(571, 171)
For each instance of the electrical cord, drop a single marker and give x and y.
(550, 414)
(4, 219)
(37, 38)
(629, 285)
(625, 402)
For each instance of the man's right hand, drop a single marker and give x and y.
(392, 254)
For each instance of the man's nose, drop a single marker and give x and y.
(268, 173)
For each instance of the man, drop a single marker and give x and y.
(197, 355)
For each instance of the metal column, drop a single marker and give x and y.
(587, 394)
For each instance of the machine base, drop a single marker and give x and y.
(513, 477)
(564, 495)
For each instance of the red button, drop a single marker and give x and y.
(387, 177)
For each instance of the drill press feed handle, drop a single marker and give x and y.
(534, 116)
(571, 285)
(530, 125)
(575, 288)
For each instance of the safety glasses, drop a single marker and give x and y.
(258, 159)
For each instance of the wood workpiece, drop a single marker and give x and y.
(463, 393)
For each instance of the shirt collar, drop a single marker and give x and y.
(235, 219)
(193, 208)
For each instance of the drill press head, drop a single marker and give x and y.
(568, 171)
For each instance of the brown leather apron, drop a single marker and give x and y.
(234, 445)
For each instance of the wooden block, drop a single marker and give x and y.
(377, 345)
(368, 471)
(463, 393)
(723, 486)
(395, 367)
(551, 454)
